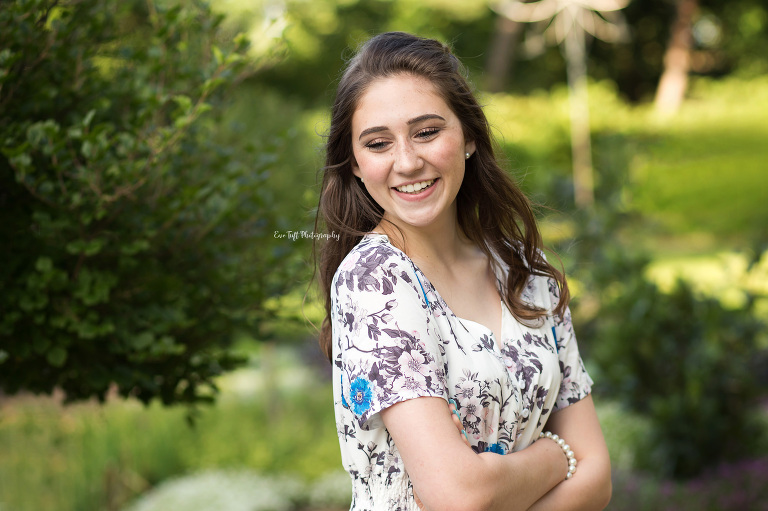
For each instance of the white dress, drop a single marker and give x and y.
(395, 338)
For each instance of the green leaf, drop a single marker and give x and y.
(241, 41)
(234, 58)
(183, 101)
(40, 133)
(21, 162)
(87, 149)
(41, 345)
(43, 264)
(94, 246)
(212, 84)
(135, 247)
(56, 356)
(142, 340)
(182, 122)
(88, 118)
(218, 55)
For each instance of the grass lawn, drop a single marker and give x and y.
(706, 171)
(698, 180)
(723, 191)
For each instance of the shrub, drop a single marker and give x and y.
(686, 362)
(133, 243)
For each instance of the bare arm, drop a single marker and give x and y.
(590, 487)
(447, 475)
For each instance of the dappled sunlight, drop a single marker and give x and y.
(726, 276)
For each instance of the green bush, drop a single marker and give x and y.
(685, 362)
(134, 244)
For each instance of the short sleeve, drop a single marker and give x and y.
(385, 345)
(576, 383)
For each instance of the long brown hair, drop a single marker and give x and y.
(492, 211)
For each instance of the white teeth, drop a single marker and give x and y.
(415, 187)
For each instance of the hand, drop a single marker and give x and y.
(456, 417)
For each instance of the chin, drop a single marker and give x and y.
(419, 223)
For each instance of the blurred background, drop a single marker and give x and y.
(158, 179)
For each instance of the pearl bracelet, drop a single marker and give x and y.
(566, 449)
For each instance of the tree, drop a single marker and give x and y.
(133, 244)
(570, 20)
(316, 41)
(677, 59)
(501, 53)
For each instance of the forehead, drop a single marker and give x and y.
(396, 99)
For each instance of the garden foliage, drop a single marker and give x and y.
(691, 366)
(133, 242)
(686, 362)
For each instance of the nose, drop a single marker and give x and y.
(407, 158)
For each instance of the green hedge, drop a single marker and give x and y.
(133, 243)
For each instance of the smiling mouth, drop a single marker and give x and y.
(416, 187)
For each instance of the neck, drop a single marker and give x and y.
(438, 245)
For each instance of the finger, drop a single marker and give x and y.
(418, 501)
(454, 412)
(465, 437)
(457, 421)
(456, 417)
(460, 426)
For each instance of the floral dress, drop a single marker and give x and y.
(395, 338)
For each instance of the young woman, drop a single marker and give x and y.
(442, 312)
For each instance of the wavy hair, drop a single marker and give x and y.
(492, 211)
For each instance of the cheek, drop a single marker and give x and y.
(447, 155)
(373, 167)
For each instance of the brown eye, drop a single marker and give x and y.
(376, 145)
(427, 133)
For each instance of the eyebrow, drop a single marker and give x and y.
(420, 118)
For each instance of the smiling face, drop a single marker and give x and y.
(409, 149)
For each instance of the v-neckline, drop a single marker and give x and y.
(497, 342)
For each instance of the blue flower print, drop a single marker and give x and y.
(495, 448)
(361, 395)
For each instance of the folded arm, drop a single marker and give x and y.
(590, 487)
(448, 475)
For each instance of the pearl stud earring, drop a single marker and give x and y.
(466, 156)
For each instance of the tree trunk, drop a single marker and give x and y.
(581, 146)
(677, 59)
(502, 53)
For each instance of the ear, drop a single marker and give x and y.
(470, 147)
